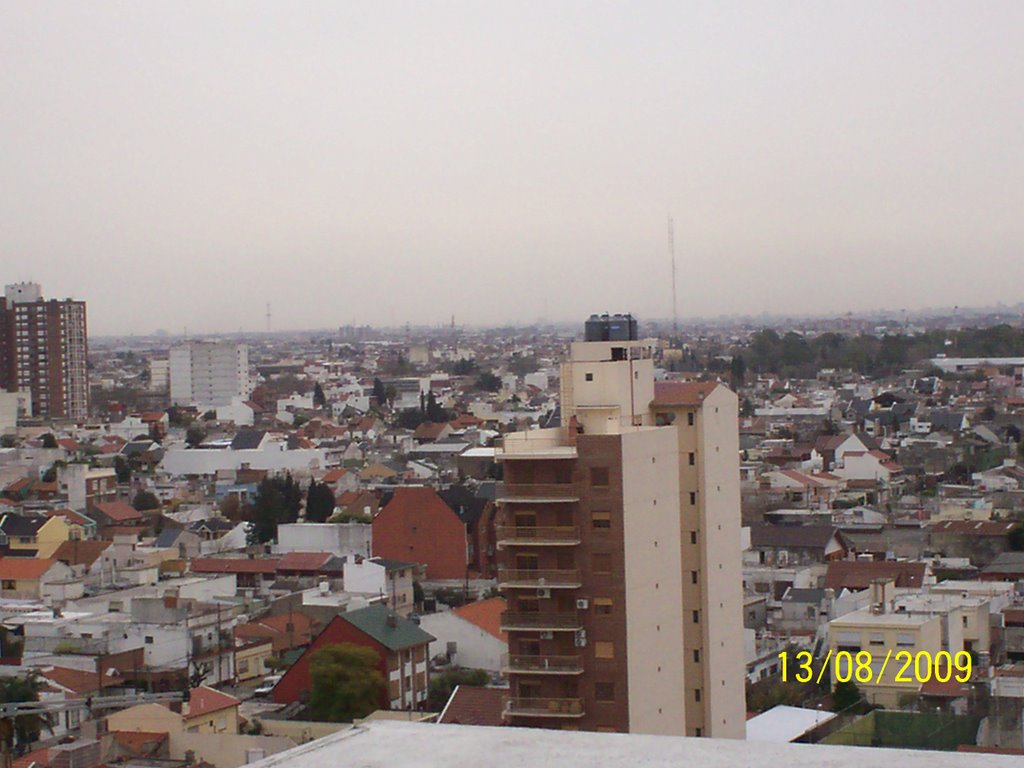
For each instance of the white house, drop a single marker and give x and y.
(470, 635)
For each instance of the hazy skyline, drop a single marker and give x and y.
(182, 164)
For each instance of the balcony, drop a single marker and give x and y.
(512, 578)
(517, 706)
(541, 665)
(538, 621)
(537, 493)
(538, 535)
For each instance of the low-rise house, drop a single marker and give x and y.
(251, 573)
(30, 578)
(251, 659)
(416, 524)
(116, 516)
(285, 632)
(979, 540)
(210, 711)
(31, 535)
(470, 635)
(787, 545)
(391, 579)
(401, 645)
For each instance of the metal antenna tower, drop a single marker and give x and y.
(672, 256)
(268, 317)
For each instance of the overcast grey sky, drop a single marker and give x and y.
(183, 163)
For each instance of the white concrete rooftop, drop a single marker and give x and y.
(427, 745)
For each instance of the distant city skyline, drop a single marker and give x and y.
(180, 165)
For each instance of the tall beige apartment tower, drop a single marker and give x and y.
(619, 550)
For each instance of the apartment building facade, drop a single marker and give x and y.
(621, 612)
(209, 373)
(43, 351)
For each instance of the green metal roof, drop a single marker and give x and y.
(373, 620)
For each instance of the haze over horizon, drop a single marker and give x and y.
(181, 164)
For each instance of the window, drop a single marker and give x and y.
(604, 691)
(877, 638)
(604, 650)
(149, 639)
(693, 498)
(589, 377)
(692, 458)
(696, 694)
(602, 606)
(689, 419)
(698, 732)
(905, 641)
(602, 562)
(243, 667)
(693, 537)
(601, 519)
(965, 620)
(9, 584)
(599, 477)
(696, 655)
(696, 617)
(693, 577)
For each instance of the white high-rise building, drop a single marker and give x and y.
(209, 373)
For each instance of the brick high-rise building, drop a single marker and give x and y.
(619, 551)
(43, 351)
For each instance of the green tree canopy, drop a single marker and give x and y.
(277, 501)
(441, 686)
(488, 382)
(194, 435)
(845, 695)
(49, 441)
(319, 398)
(319, 502)
(145, 500)
(23, 729)
(346, 682)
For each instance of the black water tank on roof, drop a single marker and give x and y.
(610, 328)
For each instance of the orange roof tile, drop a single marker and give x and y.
(485, 614)
(682, 392)
(203, 701)
(26, 568)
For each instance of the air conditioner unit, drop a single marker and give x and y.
(581, 638)
(582, 604)
(547, 635)
(544, 593)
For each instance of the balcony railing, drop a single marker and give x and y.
(541, 665)
(538, 535)
(537, 493)
(517, 706)
(546, 579)
(538, 621)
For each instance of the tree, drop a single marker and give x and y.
(845, 695)
(24, 729)
(435, 412)
(49, 441)
(210, 415)
(319, 502)
(194, 435)
(1016, 538)
(488, 382)
(319, 398)
(380, 393)
(145, 500)
(268, 510)
(441, 686)
(738, 371)
(346, 682)
(122, 469)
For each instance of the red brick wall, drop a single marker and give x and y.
(417, 526)
(296, 685)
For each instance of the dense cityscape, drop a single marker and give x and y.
(216, 549)
(454, 384)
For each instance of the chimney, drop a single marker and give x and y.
(882, 592)
(392, 620)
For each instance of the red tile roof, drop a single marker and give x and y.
(38, 756)
(81, 552)
(856, 575)
(140, 743)
(303, 561)
(203, 701)
(682, 392)
(24, 568)
(119, 511)
(485, 614)
(234, 565)
(470, 705)
(77, 681)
